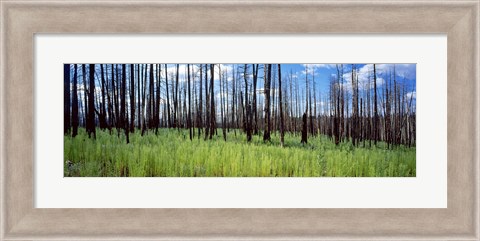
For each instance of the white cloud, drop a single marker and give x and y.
(317, 66)
(407, 71)
(365, 78)
(412, 95)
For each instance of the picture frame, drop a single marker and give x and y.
(21, 20)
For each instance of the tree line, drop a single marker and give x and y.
(256, 99)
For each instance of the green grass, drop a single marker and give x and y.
(172, 154)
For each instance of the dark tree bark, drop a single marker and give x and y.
(168, 98)
(312, 130)
(280, 103)
(157, 99)
(115, 97)
(293, 123)
(66, 98)
(307, 105)
(144, 96)
(337, 108)
(234, 98)
(109, 101)
(315, 130)
(123, 99)
(189, 124)
(247, 118)
(139, 97)
(200, 104)
(132, 98)
(91, 104)
(354, 106)
(222, 102)
(151, 97)
(304, 129)
(103, 111)
(375, 110)
(74, 104)
(254, 105)
(387, 114)
(85, 96)
(207, 105)
(175, 100)
(212, 102)
(266, 133)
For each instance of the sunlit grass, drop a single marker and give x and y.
(172, 154)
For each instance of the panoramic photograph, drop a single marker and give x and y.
(239, 120)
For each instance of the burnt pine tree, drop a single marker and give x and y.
(200, 104)
(85, 96)
(151, 97)
(254, 105)
(138, 97)
(168, 98)
(123, 99)
(144, 89)
(175, 98)
(157, 99)
(74, 104)
(212, 102)
(247, 117)
(91, 103)
(132, 98)
(280, 103)
(66, 98)
(266, 133)
(103, 115)
(233, 104)
(305, 115)
(207, 104)
(375, 110)
(304, 129)
(189, 118)
(222, 102)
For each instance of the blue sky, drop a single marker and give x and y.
(322, 74)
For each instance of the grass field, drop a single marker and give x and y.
(172, 154)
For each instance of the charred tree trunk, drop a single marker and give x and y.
(168, 98)
(254, 105)
(212, 102)
(280, 103)
(151, 98)
(74, 104)
(207, 105)
(175, 100)
(337, 109)
(306, 103)
(157, 98)
(85, 96)
(132, 98)
(266, 133)
(375, 110)
(304, 129)
(222, 102)
(103, 111)
(66, 98)
(200, 104)
(247, 118)
(139, 123)
(189, 118)
(91, 104)
(123, 99)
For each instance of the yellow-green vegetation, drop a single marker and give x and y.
(170, 153)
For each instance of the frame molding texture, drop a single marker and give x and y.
(20, 20)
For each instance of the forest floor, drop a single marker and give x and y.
(172, 154)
